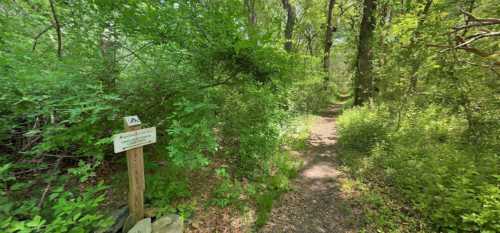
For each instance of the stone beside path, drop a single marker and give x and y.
(166, 224)
(143, 226)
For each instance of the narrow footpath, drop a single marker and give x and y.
(317, 202)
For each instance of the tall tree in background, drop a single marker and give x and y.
(57, 26)
(363, 85)
(310, 35)
(290, 23)
(328, 38)
(415, 39)
(108, 45)
(251, 14)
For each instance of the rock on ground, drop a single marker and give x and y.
(143, 226)
(168, 224)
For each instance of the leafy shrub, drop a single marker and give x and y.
(310, 95)
(166, 185)
(65, 212)
(191, 134)
(250, 128)
(273, 185)
(264, 206)
(361, 128)
(58, 132)
(486, 217)
(425, 161)
(228, 191)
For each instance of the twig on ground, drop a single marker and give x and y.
(49, 184)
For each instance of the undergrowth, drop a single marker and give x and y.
(428, 161)
(261, 192)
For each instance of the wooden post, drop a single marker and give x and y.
(136, 186)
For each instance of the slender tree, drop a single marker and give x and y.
(363, 81)
(251, 14)
(328, 38)
(310, 35)
(415, 39)
(290, 23)
(109, 47)
(57, 26)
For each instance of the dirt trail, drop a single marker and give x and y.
(317, 202)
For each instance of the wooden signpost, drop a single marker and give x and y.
(132, 142)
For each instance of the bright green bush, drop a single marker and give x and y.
(250, 123)
(191, 134)
(426, 162)
(309, 95)
(166, 184)
(63, 211)
(57, 131)
(486, 217)
(228, 191)
(361, 128)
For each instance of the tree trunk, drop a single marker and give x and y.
(252, 15)
(309, 35)
(310, 48)
(109, 46)
(363, 81)
(57, 26)
(328, 39)
(290, 23)
(413, 43)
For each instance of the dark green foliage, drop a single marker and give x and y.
(250, 127)
(274, 185)
(165, 185)
(264, 206)
(191, 134)
(228, 193)
(67, 210)
(188, 68)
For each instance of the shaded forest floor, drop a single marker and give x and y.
(321, 200)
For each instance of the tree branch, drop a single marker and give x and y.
(476, 22)
(477, 37)
(49, 184)
(466, 48)
(57, 25)
(35, 40)
(474, 18)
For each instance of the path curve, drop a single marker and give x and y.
(317, 202)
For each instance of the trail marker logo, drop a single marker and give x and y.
(133, 120)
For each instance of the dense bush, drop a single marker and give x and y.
(50, 121)
(250, 127)
(191, 69)
(428, 161)
(191, 134)
(310, 94)
(65, 209)
(363, 128)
